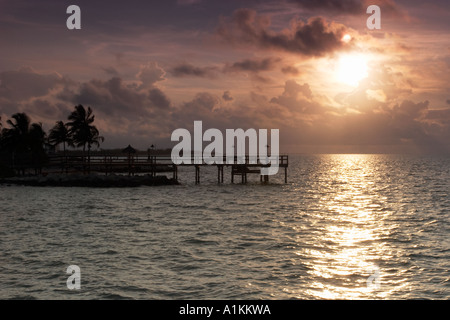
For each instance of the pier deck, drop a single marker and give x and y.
(136, 164)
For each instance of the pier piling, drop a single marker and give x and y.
(152, 165)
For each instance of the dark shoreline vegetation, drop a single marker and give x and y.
(26, 150)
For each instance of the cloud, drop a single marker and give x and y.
(111, 71)
(290, 70)
(150, 74)
(26, 83)
(381, 88)
(158, 99)
(227, 96)
(27, 90)
(349, 7)
(120, 105)
(139, 112)
(44, 109)
(298, 101)
(314, 38)
(189, 70)
(335, 6)
(111, 96)
(118, 97)
(307, 120)
(202, 103)
(253, 65)
(408, 110)
(292, 89)
(188, 2)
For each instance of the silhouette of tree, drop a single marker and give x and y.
(60, 134)
(17, 137)
(37, 137)
(82, 131)
(24, 141)
(2, 135)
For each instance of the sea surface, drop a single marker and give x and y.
(343, 227)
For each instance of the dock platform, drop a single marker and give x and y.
(154, 164)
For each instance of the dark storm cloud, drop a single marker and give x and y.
(313, 38)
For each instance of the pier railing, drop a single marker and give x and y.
(153, 164)
(120, 160)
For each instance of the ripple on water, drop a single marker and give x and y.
(321, 236)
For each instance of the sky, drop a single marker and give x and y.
(312, 69)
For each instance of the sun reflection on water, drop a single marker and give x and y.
(348, 245)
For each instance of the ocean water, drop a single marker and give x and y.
(343, 227)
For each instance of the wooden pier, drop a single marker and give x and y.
(147, 164)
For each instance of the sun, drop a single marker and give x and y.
(351, 68)
(346, 38)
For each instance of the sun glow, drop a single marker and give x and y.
(346, 38)
(351, 69)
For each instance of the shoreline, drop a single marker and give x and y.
(90, 180)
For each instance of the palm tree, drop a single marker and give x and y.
(22, 122)
(36, 142)
(60, 134)
(92, 138)
(82, 131)
(18, 135)
(24, 140)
